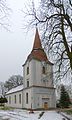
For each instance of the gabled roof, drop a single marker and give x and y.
(37, 50)
(38, 54)
(16, 89)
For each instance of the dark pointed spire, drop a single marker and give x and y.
(37, 41)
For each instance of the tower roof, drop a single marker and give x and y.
(37, 50)
(37, 41)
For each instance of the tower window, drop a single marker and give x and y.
(27, 70)
(27, 83)
(26, 98)
(43, 70)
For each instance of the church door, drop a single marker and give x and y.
(45, 102)
(45, 105)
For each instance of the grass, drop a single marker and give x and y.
(5, 108)
(68, 111)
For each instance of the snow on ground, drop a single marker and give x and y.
(51, 115)
(25, 115)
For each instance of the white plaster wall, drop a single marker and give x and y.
(25, 76)
(38, 72)
(31, 76)
(53, 102)
(39, 93)
(38, 76)
(13, 104)
(33, 72)
(25, 105)
(50, 75)
(35, 77)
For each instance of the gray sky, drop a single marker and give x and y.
(16, 45)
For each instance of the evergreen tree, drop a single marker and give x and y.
(3, 100)
(64, 98)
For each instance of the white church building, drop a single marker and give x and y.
(37, 90)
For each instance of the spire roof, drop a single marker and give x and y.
(37, 50)
(37, 41)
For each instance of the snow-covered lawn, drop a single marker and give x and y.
(18, 114)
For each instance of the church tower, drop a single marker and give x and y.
(38, 91)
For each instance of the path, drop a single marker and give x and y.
(24, 115)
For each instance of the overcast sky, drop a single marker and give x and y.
(15, 45)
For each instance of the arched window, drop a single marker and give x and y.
(27, 83)
(15, 99)
(26, 98)
(20, 98)
(27, 70)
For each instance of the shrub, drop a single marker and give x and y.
(3, 100)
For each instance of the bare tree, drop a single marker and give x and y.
(13, 81)
(4, 14)
(2, 89)
(55, 20)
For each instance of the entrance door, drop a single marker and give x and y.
(45, 105)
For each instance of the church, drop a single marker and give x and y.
(37, 90)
